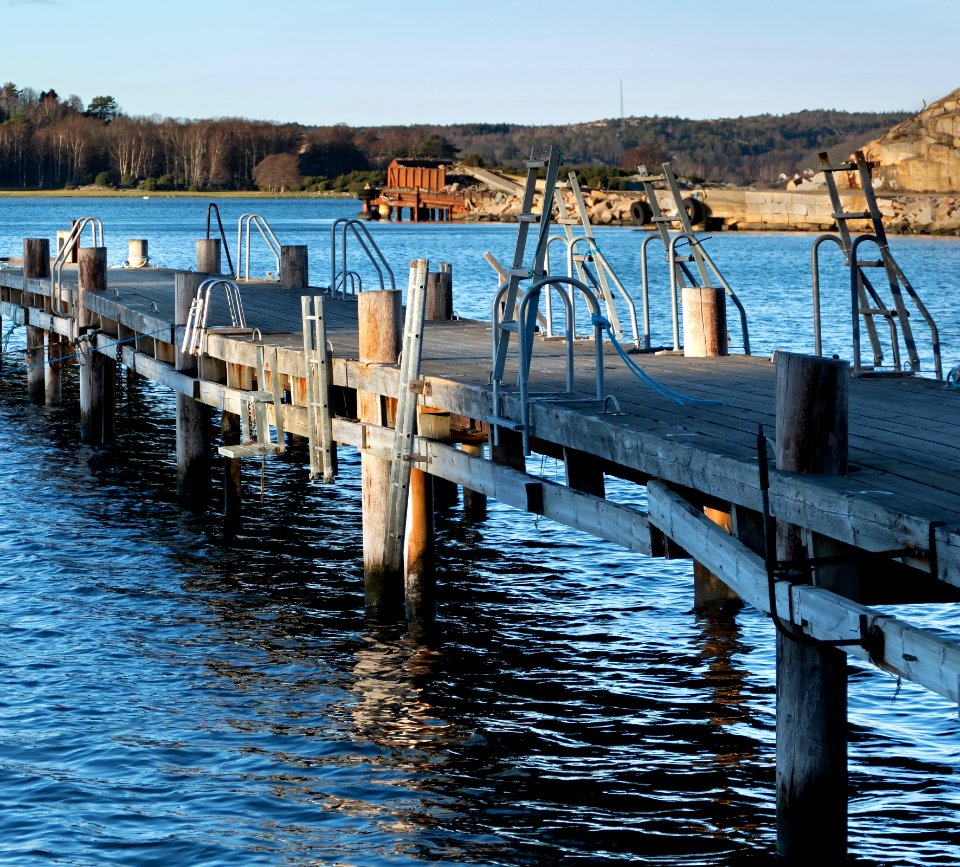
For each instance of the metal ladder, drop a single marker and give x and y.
(601, 276)
(406, 416)
(323, 450)
(505, 322)
(196, 329)
(255, 438)
(681, 274)
(243, 249)
(866, 302)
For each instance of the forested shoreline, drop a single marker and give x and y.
(48, 142)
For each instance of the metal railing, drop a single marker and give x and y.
(586, 275)
(212, 208)
(676, 266)
(243, 243)
(195, 329)
(70, 242)
(526, 326)
(339, 279)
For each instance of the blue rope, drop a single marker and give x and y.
(651, 383)
(82, 352)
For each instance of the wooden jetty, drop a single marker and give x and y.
(866, 487)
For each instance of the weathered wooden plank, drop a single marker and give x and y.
(916, 654)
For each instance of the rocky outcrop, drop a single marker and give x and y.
(921, 154)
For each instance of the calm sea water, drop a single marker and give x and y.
(170, 696)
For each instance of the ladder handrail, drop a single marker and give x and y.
(195, 328)
(896, 279)
(696, 244)
(369, 246)
(527, 325)
(265, 232)
(212, 207)
(73, 240)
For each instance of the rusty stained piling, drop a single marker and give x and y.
(36, 265)
(811, 678)
(380, 335)
(95, 427)
(193, 418)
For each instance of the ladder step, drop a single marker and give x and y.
(652, 179)
(536, 164)
(522, 273)
(838, 167)
(852, 215)
(663, 219)
(500, 421)
(250, 450)
(528, 218)
(512, 326)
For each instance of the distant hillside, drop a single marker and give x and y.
(744, 150)
(49, 142)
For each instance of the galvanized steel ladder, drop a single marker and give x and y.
(604, 275)
(316, 361)
(865, 300)
(505, 322)
(680, 273)
(406, 417)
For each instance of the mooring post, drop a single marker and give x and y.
(232, 500)
(193, 422)
(811, 679)
(704, 321)
(208, 256)
(91, 277)
(294, 269)
(137, 253)
(380, 333)
(439, 306)
(36, 265)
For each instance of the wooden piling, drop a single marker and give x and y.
(208, 257)
(193, 422)
(232, 500)
(138, 253)
(704, 321)
(380, 335)
(435, 424)
(91, 277)
(419, 577)
(439, 297)
(811, 680)
(294, 270)
(474, 502)
(36, 265)
(708, 590)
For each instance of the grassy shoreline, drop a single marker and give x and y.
(108, 193)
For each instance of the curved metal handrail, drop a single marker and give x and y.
(672, 258)
(246, 220)
(72, 240)
(369, 246)
(195, 328)
(527, 321)
(212, 207)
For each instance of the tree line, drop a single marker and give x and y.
(49, 142)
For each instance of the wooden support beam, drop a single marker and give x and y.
(91, 277)
(811, 679)
(379, 320)
(193, 419)
(419, 575)
(36, 265)
(919, 655)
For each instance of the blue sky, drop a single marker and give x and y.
(427, 61)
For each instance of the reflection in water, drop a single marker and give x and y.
(168, 698)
